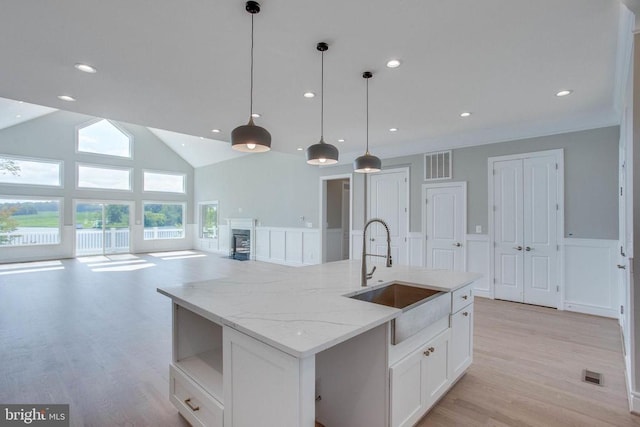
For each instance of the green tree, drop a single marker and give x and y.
(7, 225)
(9, 166)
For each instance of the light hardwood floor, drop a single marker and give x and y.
(96, 335)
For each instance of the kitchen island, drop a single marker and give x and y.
(289, 348)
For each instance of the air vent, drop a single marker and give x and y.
(437, 165)
(592, 377)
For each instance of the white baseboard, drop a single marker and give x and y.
(634, 402)
(589, 309)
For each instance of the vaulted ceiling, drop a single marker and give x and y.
(184, 67)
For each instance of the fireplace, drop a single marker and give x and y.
(240, 244)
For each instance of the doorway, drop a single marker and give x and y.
(335, 217)
(445, 225)
(526, 226)
(102, 228)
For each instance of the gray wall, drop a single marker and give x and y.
(275, 188)
(591, 180)
(54, 137)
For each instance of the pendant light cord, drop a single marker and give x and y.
(322, 98)
(251, 96)
(367, 152)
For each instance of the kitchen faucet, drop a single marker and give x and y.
(365, 276)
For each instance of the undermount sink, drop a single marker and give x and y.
(421, 307)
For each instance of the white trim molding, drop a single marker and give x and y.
(591, 276)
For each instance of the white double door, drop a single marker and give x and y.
(525, 227)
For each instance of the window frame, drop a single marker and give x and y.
(91, 153)
(60, 164)
(158, 172)
(60, 201)
(103, 166)
(164, 202)
(201, 222)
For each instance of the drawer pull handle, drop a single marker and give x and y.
(465, 296)
(190, 405)
(466, 313)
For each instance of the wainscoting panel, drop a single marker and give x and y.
(293, 246)
(477, 257)
(590, 276)
(277, 245)
(263, 244)
(310, 247)
(416, 249)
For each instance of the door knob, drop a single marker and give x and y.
(528, 249)
(457, 244)
(517, 248)
(623, 267)
(372, 239)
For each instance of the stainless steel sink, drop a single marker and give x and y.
(421, 307)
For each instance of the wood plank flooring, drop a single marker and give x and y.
(96, 335)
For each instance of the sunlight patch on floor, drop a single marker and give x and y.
(172, 254)
(184, 256)
(103, 264)
(36, 264)
(96, 258)
(129, 267)
(30, 270)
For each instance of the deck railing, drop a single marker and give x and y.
(88, 241)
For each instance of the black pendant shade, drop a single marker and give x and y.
(322, 153)
(250, 138)
(367, 163)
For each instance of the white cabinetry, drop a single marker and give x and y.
(462, 330)
(419, 380)
(423, 373)
(195, 376)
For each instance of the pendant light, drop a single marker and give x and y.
(367, 163)
(251, 138)
(322, 153)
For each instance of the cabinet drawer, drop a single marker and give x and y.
(461, 298)
(195, 404)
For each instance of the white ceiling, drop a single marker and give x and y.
(184, 67)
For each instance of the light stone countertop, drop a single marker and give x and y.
(303, 310)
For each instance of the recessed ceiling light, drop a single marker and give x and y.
(255, 115)
(465, 114)
(20, 102)
(564, 92)
(299, 148)
(18, 116)
(66, 98)
(202, 137)
(85, 68)
(393, 129)
(393, 63)
(341, 140)
(215, 130)
(309, 94)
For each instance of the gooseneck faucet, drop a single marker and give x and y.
(365, 276)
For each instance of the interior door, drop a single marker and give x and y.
(388, 201)
(540, 231)
(445, 226)
(508, 230)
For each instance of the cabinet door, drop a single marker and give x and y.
(436, 371)
(406, 390)
(461, 340)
